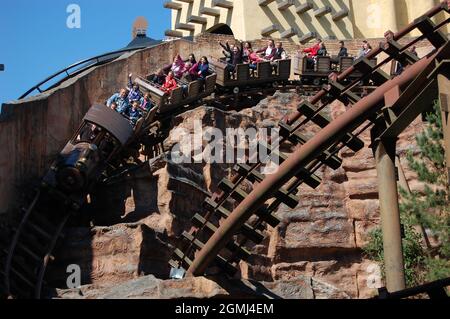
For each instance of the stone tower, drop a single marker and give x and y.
(140, 27)
(299, 20)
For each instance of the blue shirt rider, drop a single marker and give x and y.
(134, 112)
(135, 93)
(120, 99)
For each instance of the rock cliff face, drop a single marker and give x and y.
(55, 114)
(314, 253)
(149, 287)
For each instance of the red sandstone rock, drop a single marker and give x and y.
(320, 239)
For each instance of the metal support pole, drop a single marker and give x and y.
(444, 99)
(390, 214)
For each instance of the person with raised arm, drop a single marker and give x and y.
(236, 56)
(134, 90)
(311, 52)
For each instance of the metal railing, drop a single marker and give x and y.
(91, 62)
(435, 290)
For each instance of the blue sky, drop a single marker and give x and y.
(36, 42)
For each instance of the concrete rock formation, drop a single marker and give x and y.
(316, 252)
(149, 287)
(58, 112)
(321, 239)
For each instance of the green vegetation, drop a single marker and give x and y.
(428, 208)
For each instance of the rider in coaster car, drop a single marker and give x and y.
(170, 84)
(178, 66)
(135, 92)
(120, 99)
(134, 112)
(269, 51)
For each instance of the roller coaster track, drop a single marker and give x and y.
(220, 236)
(32, 246)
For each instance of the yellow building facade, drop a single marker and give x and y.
(299, 20)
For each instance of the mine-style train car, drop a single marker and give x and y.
(220, 80)
(62, 192)
(265, 73)
(99, 138)
(318, 73)
(184, 94)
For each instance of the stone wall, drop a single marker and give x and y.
(322, 238)
(34, 130)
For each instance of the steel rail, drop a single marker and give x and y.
(16, 238)
(347, 122)
(432, 289)
(47, 257)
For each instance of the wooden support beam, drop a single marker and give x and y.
(390, 214)
(303, 8)
(210, 12)
(443, 80)
(223, 4)
(410, 111)
(289, 33)
(322, 11)
(197, 19)
(173, 5)
(285, 4)
(340, 15)
(264, 3)
(270, 30)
